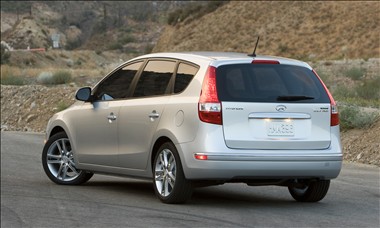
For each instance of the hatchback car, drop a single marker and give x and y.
(194, 119)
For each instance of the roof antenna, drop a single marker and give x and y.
(254, 51)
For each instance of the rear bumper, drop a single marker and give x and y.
(258, 164)
(225, 163)
(225, 167)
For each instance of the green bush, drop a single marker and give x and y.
(370, 89)
(5, 55)
(45, 78)
(352, 117)
(12, 80)
(343, 92)
(127, 39)
(59, 77)
(324, 76)
(115, 46)
(355, 73)
(73, 44)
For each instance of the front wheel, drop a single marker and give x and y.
(312, 191)
(170, 184)
(59, 164)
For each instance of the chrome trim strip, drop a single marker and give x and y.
(280, 115)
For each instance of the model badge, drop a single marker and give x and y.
(281, 108)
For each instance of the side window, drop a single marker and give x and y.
(155, 78)
(116, 86)
(185, 74)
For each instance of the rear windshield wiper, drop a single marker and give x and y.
(293, 98)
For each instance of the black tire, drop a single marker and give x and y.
(313, 191)
(58, 162)
(170, 184)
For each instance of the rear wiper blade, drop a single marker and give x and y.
(293, 98)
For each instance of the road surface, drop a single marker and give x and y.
(30, 199)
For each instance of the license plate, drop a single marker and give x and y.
(280, 129)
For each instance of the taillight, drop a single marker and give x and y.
(210, 108)
(334, 108)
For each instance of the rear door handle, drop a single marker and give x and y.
(154, 114)
(111, 117)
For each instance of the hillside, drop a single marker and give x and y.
(129, 26)
(305, 30)
(341, 40)
(29, 107)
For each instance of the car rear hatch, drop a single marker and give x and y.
(273, 106)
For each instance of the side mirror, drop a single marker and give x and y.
(83, 94)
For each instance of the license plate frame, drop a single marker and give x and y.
(280, 128)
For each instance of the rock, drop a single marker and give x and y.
(32, 105)
(30, 118)
(27, 129)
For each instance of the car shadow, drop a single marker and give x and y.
(214, 195)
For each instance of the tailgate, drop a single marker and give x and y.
(276, 125)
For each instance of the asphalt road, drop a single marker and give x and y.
(30, 199)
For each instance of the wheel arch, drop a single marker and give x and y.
(56, 130)
(161, 140)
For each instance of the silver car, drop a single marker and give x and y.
(194, 119)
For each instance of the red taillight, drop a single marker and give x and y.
(334, 108)
(258, 61)
(209, 106)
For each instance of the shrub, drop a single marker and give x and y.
(59, 77)
(127, 39)
(5, 55)
(355, 73)
(11, 76)
(148, 48)
(72, 44)
(353, 117)
(370, 89)
(115, 46)
(193, 11)
(324, 76)
(12, 80)
(45, 78)
(283, 48)
(342, 92)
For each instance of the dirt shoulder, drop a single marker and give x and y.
(29, 107)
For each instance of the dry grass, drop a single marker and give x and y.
(82, 65)
(304, 30)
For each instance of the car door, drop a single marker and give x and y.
(140, 115)
(96, 124)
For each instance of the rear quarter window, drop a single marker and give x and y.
(269, 83)
(185, 74)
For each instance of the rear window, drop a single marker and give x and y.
(269, 83)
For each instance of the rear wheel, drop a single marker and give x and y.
(59, 164)
(312, 191)
(170, 184)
